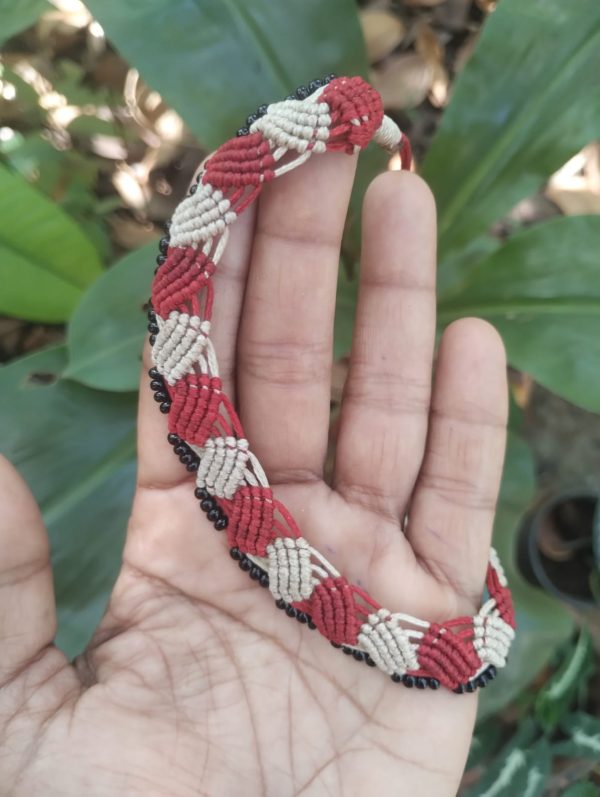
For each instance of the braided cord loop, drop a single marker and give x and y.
(339, 115)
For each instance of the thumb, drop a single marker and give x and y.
(27, 610)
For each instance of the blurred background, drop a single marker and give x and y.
(105, 110)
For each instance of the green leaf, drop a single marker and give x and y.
(46, 261)
(584, 737)
(557, 694)
(525, 103)
(519, 769)
(107, 330)
(216, 61)
(542, 622)
(586, 789)
(542, 291)
(16, 15)
(76, 448)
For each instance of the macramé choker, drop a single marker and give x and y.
(331, 115)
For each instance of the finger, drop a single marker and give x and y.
(383, 420)
(452, 512)
(285, 344)
(27, 610)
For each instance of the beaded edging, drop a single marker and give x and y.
(334, 114)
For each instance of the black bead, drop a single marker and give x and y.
(152, 340)
(192, 466)
(314, 85)
(186, 459)
(492, 672)
(167, 226)
(290, 611)
(160, 396)
(335, 645)
(347, 650)
(481, 681)
(302, 92)
(157, 384)
(151, 315)
(163, 244)
(311, 625)
(302, 618)
(460, 689)
(396, 677)
(408, 680)
(358, 655)
(251, 119)
(207, 505)
(201, 492)
(235, 553)
(264, 579)
(221, 523)
(174, 439)
(245, 564)
(262, 109)
(154, 374)
(369, 661)
(165, 407)
(243, 131)
(193, 188)
(434, 683)
(154, 328)
(160, 259)
(255, 573)
(330, 77)
(280, 603)
(421, 683)
(213, 515)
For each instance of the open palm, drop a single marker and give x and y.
(194, 683)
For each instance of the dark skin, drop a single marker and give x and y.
(194, 684)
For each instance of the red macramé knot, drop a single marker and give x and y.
(448, 657)
(195, 404)
(241, 161)
(356, 111)
(502, 596)
(333, 611)
(183, 274)
(250, 525)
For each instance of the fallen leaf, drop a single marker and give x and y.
(404, 80)
(383, 31)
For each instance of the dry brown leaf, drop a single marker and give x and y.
(487, 6)
(427, 44)
(424, 3)
(573, 202)
(452, 15)
(404, 80)
(575, 188)
(382, 30)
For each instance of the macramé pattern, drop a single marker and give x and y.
(343, 115)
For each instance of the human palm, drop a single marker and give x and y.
(194, 683)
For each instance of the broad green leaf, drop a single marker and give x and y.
(586, 789)
(525, 103)
(542, 622)
(542, 291)
(107, 329)
(16, 15)
(557, 695)
(46, 261)
(583, 731)
(76, 448)
(521, 768)
(216, 61)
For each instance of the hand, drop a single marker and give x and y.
(194, 683)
